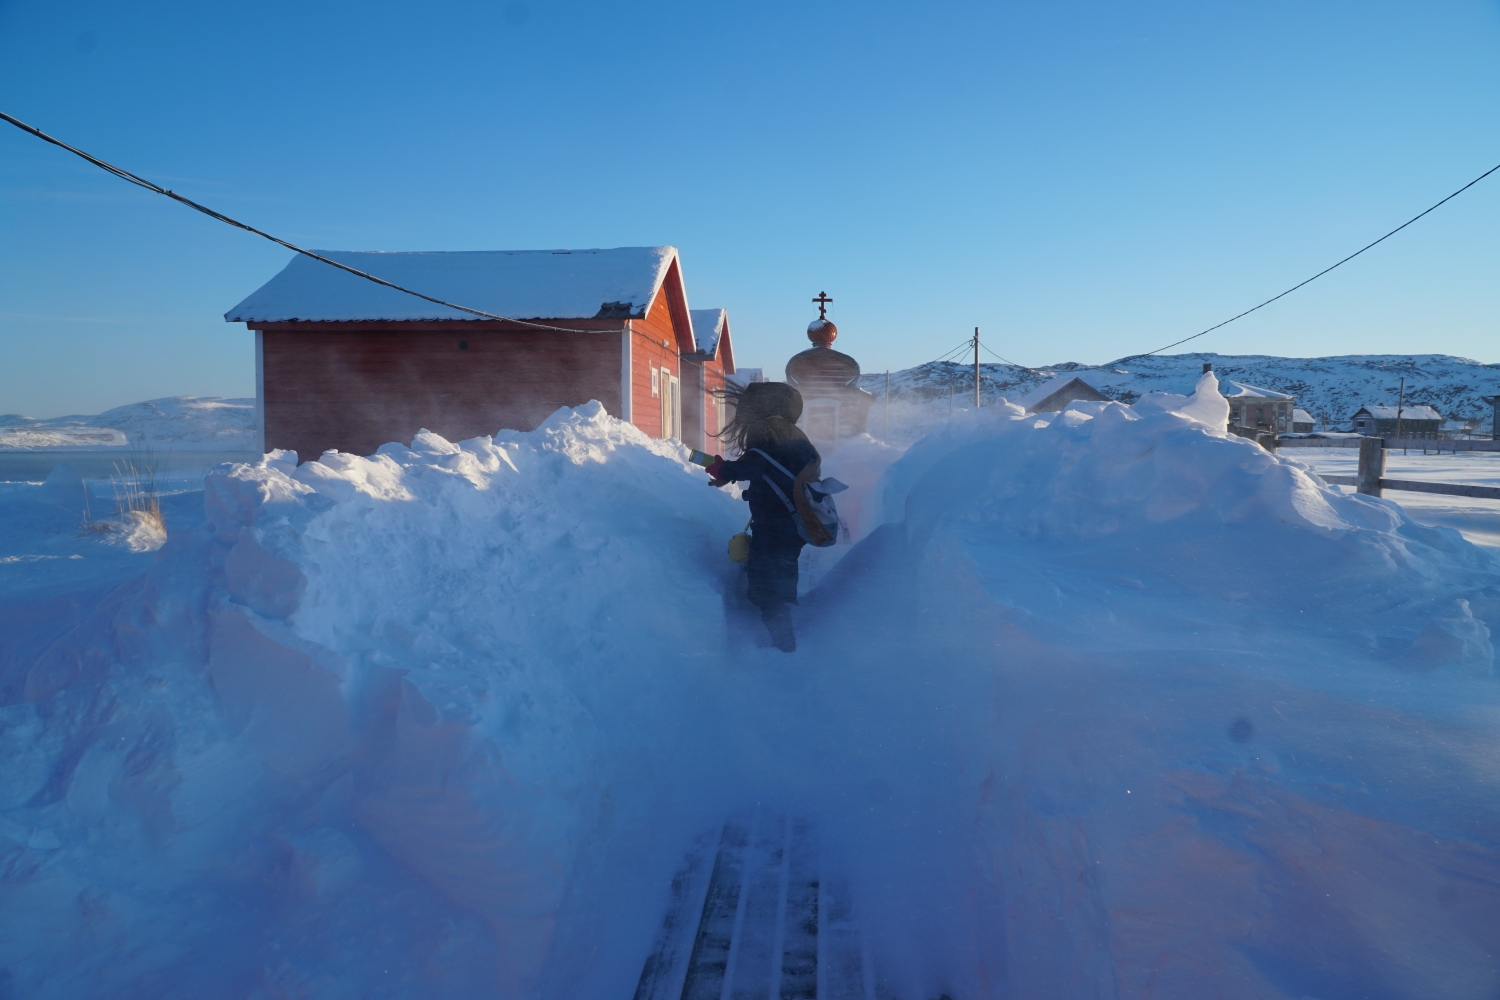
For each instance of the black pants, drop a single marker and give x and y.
(772, 569)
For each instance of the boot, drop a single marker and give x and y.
(778, 621)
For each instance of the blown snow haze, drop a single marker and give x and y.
(1103, 703)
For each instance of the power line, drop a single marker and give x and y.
(1320, 274)
(939, 360)
(126, 175)
(1008, 361)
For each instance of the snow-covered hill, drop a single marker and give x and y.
(1331, 389)
(175, 423)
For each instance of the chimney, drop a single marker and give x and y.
(1208, 366)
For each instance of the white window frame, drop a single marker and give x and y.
(671, 405)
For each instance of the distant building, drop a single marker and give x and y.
(1465, 427)
(1302, 421)
(343, 363)
(1252, 408)
(1380, 421)
(1050, 397)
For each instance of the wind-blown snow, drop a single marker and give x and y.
(1106, 703)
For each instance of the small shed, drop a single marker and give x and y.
(1050, 397)
(1255, 409)
(703, 375)
(1381, 421)
(344, 363)
(1302, 421)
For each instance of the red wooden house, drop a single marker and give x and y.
(343, 363)
(703, 374)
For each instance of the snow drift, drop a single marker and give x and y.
(1105, 704)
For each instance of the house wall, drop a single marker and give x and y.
(1373, 427)
(653, 345)
(1259, 412)
(693, 404)
(354, 387)
(713, 381)
(700, 407)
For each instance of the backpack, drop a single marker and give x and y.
(819, 497)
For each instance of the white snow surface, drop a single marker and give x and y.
(1239, 390)
(1104, 703)
(517, 284)
(174, 423)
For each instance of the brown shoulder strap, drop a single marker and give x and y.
(811, 472)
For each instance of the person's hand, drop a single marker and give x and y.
(713, 470)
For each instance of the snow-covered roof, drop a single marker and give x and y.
(1039, 395)
(1301, 416)
(1407, 412)
(1230, 389)
(708, 327)
(517, 284)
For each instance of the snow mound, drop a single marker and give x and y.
(1157, 496)
(401, 688)
(1157, 713)
(1106, 702)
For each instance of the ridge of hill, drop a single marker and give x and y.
(1331, 388)
(172, 423)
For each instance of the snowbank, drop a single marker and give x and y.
(1157, 497)
(1166, 715)
(393, 693)
(175, 423)
(1106, 703)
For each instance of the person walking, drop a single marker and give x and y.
(771, 449)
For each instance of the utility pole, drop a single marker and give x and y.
(976, 368)
(1400, 405)
(887, 438)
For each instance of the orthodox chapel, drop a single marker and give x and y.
(834, 406)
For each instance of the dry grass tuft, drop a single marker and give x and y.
(136, 496)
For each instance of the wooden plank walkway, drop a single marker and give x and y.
(750, 918)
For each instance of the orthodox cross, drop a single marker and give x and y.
(822, 300)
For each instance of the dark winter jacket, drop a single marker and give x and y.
(773, 523)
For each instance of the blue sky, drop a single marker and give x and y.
(1083, 180)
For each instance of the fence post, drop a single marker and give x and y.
(1371, 466)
